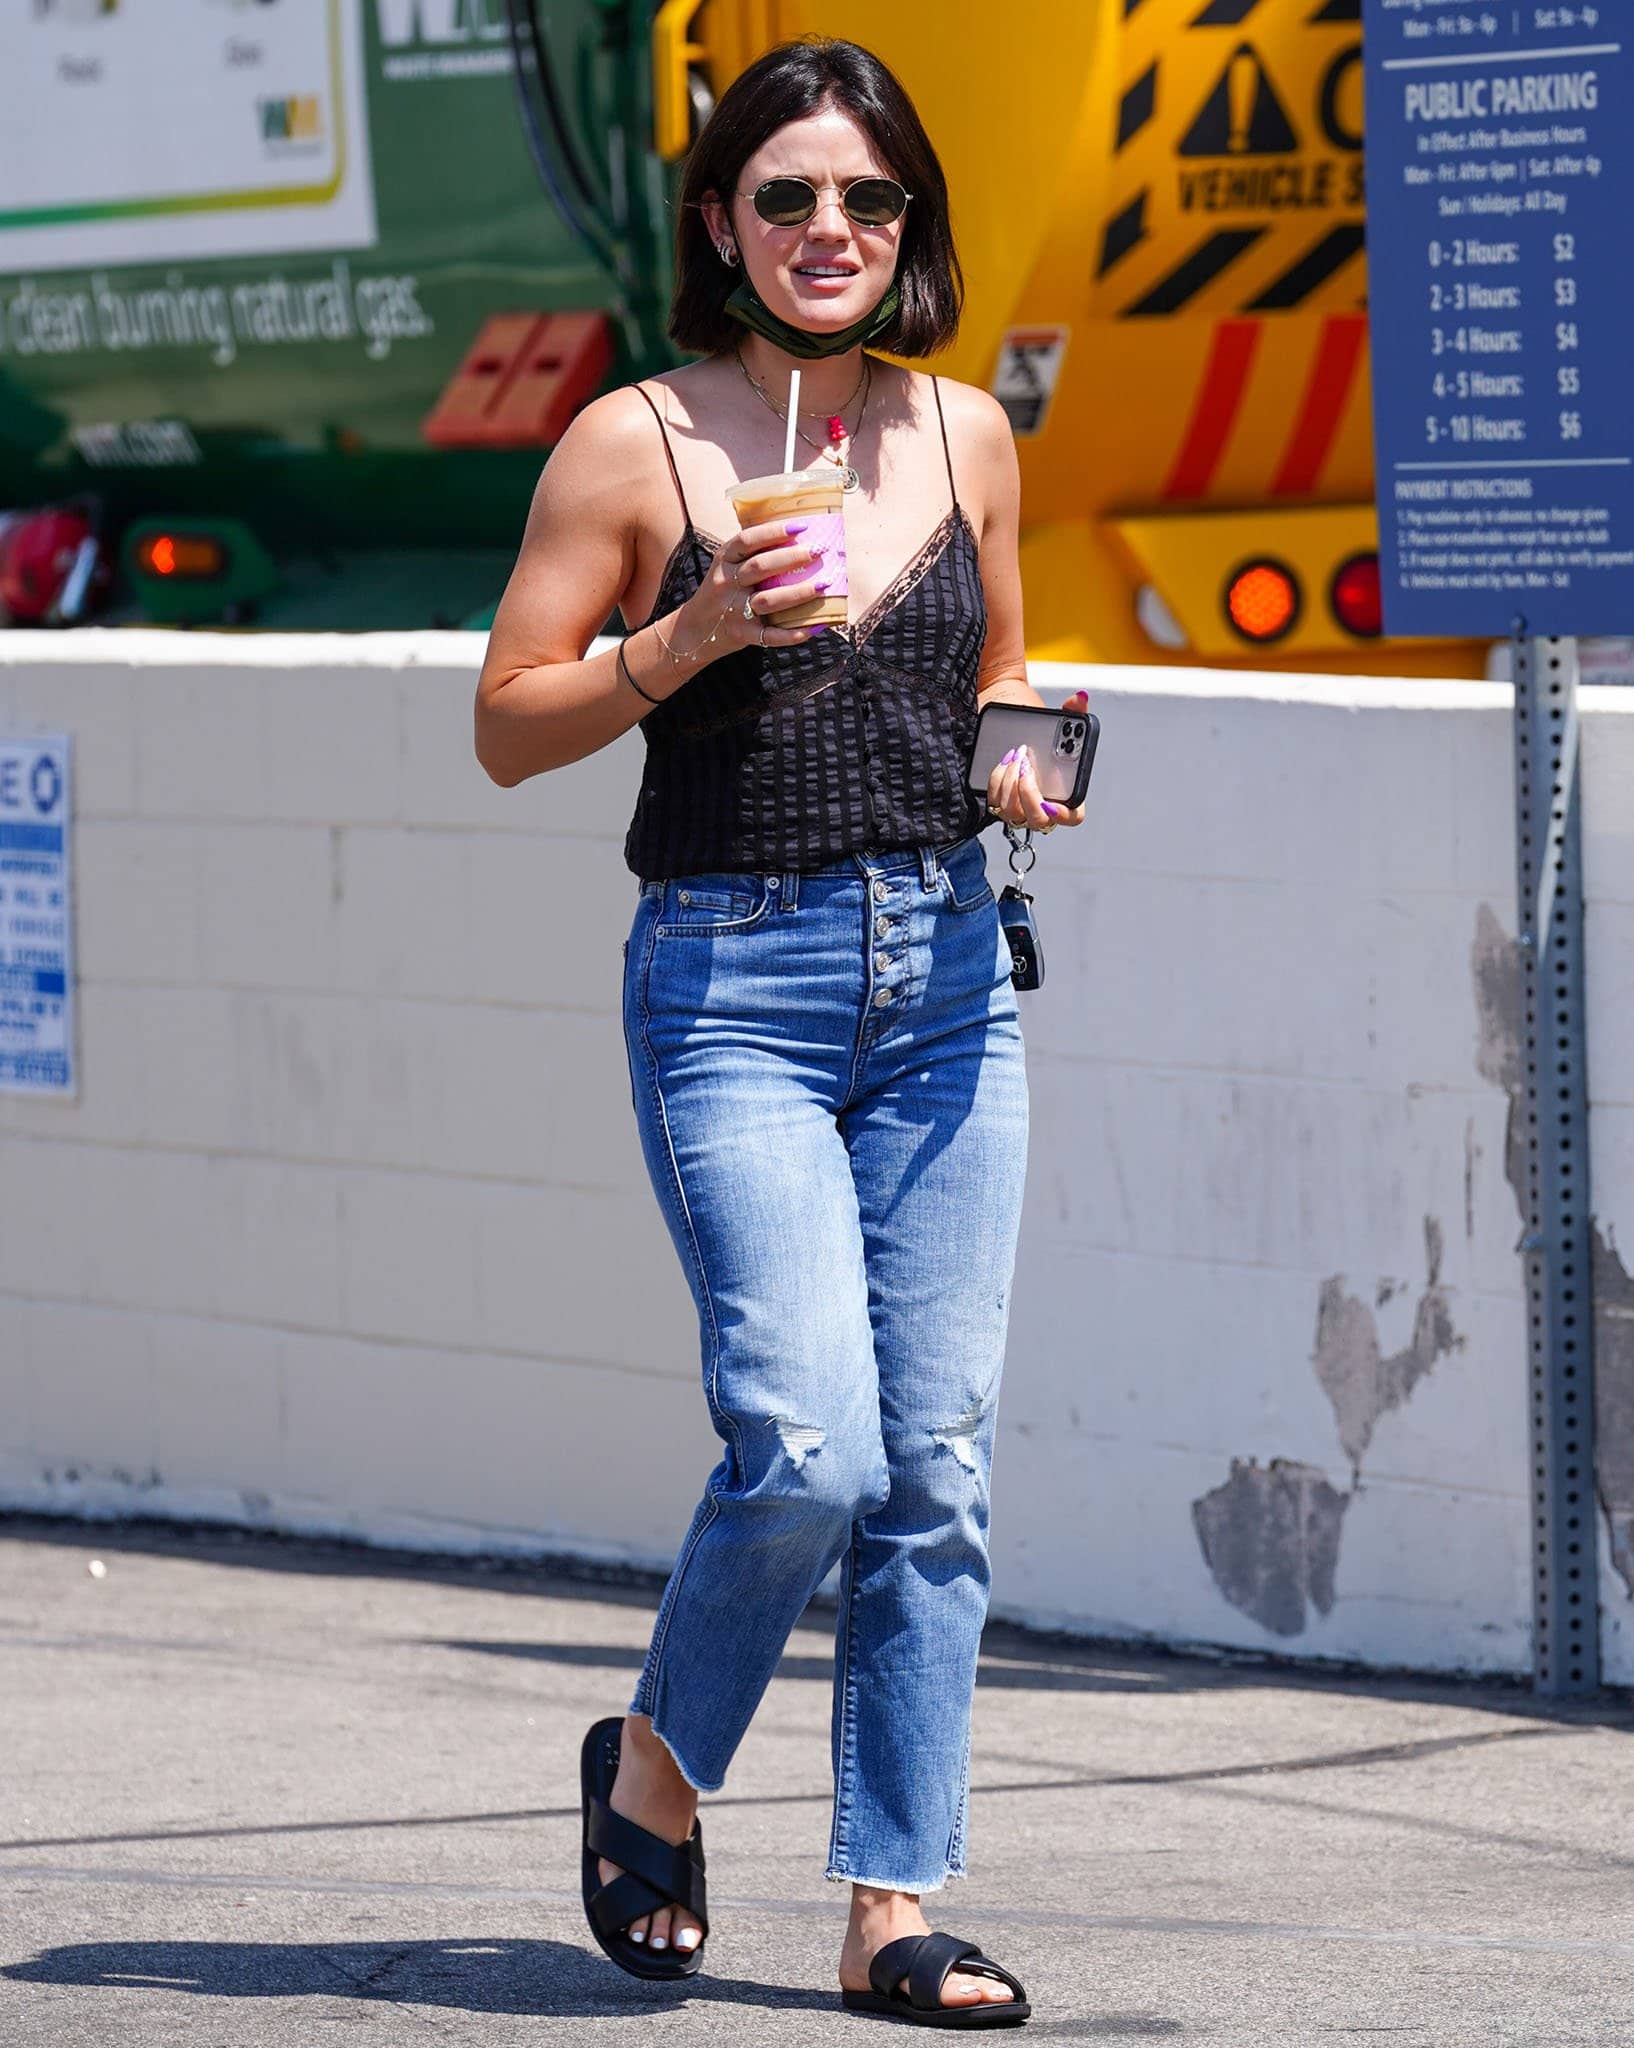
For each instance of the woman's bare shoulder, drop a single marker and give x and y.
(616, 432)
(616, 436)
(972, 413)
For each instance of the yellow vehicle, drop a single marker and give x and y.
(1159, 208)
(332, 412)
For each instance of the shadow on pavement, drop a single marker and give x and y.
(537, 1978)
(1037, 1671)
(1011, 1656)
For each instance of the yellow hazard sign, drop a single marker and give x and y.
(1236, 147)
(1242, 115)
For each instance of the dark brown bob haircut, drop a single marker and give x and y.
(787, 83)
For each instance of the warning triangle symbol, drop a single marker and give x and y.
(1242, 116)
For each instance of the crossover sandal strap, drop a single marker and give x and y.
(902, 1958)
(621, 1900)
(926, 1961)
(938, 1954)
(675, 1874)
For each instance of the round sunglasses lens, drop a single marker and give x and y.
(785, 201)
(874, 201)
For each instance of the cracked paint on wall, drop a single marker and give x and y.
(1614, 1400)
(1495, 964)
(1270, 1536)
(1495, 967)
(1358, 1377)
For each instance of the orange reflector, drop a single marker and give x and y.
(1355, 597)
(1262, 601)
(189, 555)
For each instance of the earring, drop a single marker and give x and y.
(727, 254)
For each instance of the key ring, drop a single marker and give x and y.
(1019, 846)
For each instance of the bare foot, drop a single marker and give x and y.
(878, 1917)
(649, 1790)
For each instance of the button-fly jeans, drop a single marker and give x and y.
(828, 1075)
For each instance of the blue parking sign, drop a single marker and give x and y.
(1500, 216)
(36, 918)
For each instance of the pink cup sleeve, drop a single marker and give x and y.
(825, 530)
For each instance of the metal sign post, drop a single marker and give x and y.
(1500, 182)
(1556, 1247)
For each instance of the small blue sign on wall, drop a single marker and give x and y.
(36, 918)
(1500, 220)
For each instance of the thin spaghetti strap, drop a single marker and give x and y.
(936, 387)
(686, 511)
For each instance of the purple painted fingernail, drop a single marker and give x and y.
(1006, 759)
(795, 526)
(820, 627)
(1053, 809)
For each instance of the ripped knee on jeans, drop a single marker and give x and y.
(959, 1435)
(799, 1439)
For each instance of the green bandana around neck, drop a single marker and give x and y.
(747, 305)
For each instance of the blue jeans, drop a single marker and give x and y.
(828, 1075)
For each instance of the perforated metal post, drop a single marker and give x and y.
(1556, 1245)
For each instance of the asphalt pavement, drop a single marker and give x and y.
(264, 1792)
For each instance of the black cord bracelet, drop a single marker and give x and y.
(630, 679)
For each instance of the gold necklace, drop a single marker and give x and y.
(849, 479)
(810, 412)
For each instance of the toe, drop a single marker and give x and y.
(961, 1988)
(659, 1936)
(687, 1932)
(637, 1930)
(957, 1989)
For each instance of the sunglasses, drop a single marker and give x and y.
(869, 202)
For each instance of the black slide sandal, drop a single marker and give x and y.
(654, 1872)
(926, 1960)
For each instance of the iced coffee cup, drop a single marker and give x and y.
(820, 501)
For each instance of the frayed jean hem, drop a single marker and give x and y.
(698, 1784)
(895, 1884)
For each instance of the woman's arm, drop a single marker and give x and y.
(1002, 677)
(540, 704)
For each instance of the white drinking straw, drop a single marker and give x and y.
(788, 438)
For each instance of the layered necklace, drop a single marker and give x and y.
(839, 444)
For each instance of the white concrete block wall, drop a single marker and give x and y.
(349, 1228)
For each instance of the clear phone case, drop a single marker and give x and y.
(1063, 747)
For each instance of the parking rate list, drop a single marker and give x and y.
(1500, 220)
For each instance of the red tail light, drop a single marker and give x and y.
(1355, 597)
(189, 555)
(1262, 601)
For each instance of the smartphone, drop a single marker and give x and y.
(1062, 743)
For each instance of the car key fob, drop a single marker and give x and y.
(1021, 935)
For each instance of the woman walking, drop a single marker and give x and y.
(825, 1054)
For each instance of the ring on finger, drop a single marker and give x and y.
(748, 607)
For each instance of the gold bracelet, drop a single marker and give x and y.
(680, 660)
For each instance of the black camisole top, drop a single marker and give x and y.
(855, 741)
